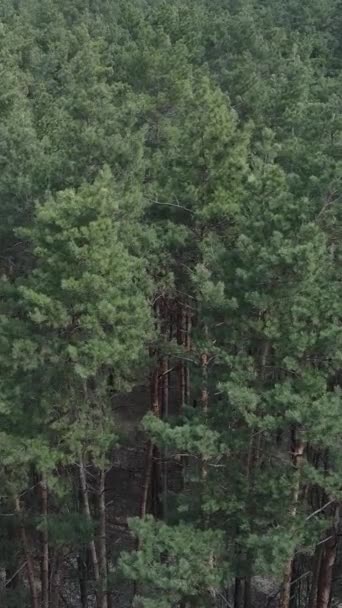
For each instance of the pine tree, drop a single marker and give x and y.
(80, 318)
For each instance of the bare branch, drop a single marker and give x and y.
(319, 510)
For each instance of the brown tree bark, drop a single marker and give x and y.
(102, 542)
(297, 457)
(147, 479)
(87, 513)
(165, 413)
(56, 579)
(204, 403)
(253, 457)
(183, 374)
(155, 408)
(285, 595)
(181, 339)
(28, 556)
(150, 454)
(315, 576)
(45, 544)
(327, 564)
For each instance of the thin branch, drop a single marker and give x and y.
(177, 206)
(325, 540)
(182, 358)
(15, 574)
(319, 510)
(166, 372)
(300, 577)
(220, 595)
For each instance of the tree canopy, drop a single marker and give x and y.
(170, 199)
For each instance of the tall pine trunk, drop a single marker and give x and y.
(45, 543)
(315, 576)
(247, 600)
(325, 575)
(28, 556)
(297, 456)
(148, 493)
(102, 541)
(87, 513)
(188, 327)
(55, 579)
(204, 404)
(147, 479)
(205, 408)
(165, 413)
(150, 451)
(181, 339)
(239, 592)
(109, 593)
(183, 333)
(83, 580)
(327, 564)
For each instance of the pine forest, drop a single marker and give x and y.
(170, 303)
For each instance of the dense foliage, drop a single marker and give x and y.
(170, 198)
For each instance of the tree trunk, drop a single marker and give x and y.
(12, 572)
(87, 513)
(327, 565)
(102, 542)
(204, 391)
(285, 595)
(55, 579)
(188, 350)
(147, 490)
(205, 404)
(165, 413)
(238, 592)
(315, 576)
(109, 593)
(325, 575)
(83, 581)
(45, 543)
(156, 487)
(147, 480)
(247, 600)
(297, 456)
(28, 557)
(150, 449)
(181, 340)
